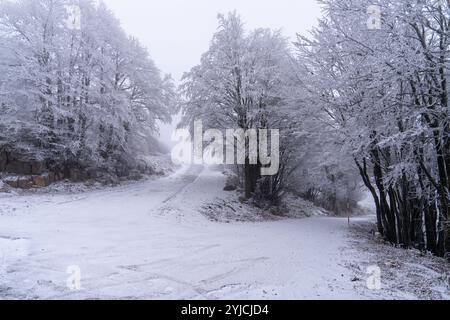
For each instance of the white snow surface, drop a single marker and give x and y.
(149, 241)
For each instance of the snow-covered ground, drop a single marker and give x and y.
(149, 241)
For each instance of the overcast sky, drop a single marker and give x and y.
(178, 32)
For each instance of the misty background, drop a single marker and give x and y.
(178, 32)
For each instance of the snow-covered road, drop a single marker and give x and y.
(149, 241)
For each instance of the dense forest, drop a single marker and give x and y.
(77, 97)
(356, 96)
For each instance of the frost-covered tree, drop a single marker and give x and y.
(238, 84)
(386, 90)
(76, 96)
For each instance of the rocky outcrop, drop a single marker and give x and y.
(12, 182)
(28, 182)
(38, 167)
(22, 170)
(44, 180)
(19, 167)
(4, 187)
(21, 163)
(3, 161)
(25, 182)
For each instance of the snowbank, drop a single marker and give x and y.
(405, 274)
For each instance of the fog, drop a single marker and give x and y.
(177, 32)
